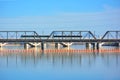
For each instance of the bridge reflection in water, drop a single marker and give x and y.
(73, 49)
(32, 59)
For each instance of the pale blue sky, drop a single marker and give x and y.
(48, 15)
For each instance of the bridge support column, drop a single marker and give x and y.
(99, 45)
(34, 44)
(57, 46)
(66, 44)
(2, 44)
(88, 45)
(43, 45)
(94, 45)
(118, 44)
(26, 46)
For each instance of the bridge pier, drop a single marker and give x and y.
(97, 46)
(88, 45)
(2, 44)
(29, 44)
(66, 44)
(57, 46)
(26, 45)
(118, 44)
(34, 44)
(94, 46)
(43, 46)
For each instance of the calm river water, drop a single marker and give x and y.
(59, 66)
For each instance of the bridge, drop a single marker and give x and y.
(65, 38)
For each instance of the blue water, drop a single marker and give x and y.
(60, 66)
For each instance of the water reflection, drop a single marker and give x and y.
(59, 59)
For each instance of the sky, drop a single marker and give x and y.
(45, 16)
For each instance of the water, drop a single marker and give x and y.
(59, 66)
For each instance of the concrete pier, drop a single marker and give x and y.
(118, 45)
(2, 44)
(26, 45)
(34, 44)
(57, 46)
(67, 44)
(88, 45)
(43, 45)
(99, 45)
(94, 46)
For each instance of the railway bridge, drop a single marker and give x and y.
(64, 38)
